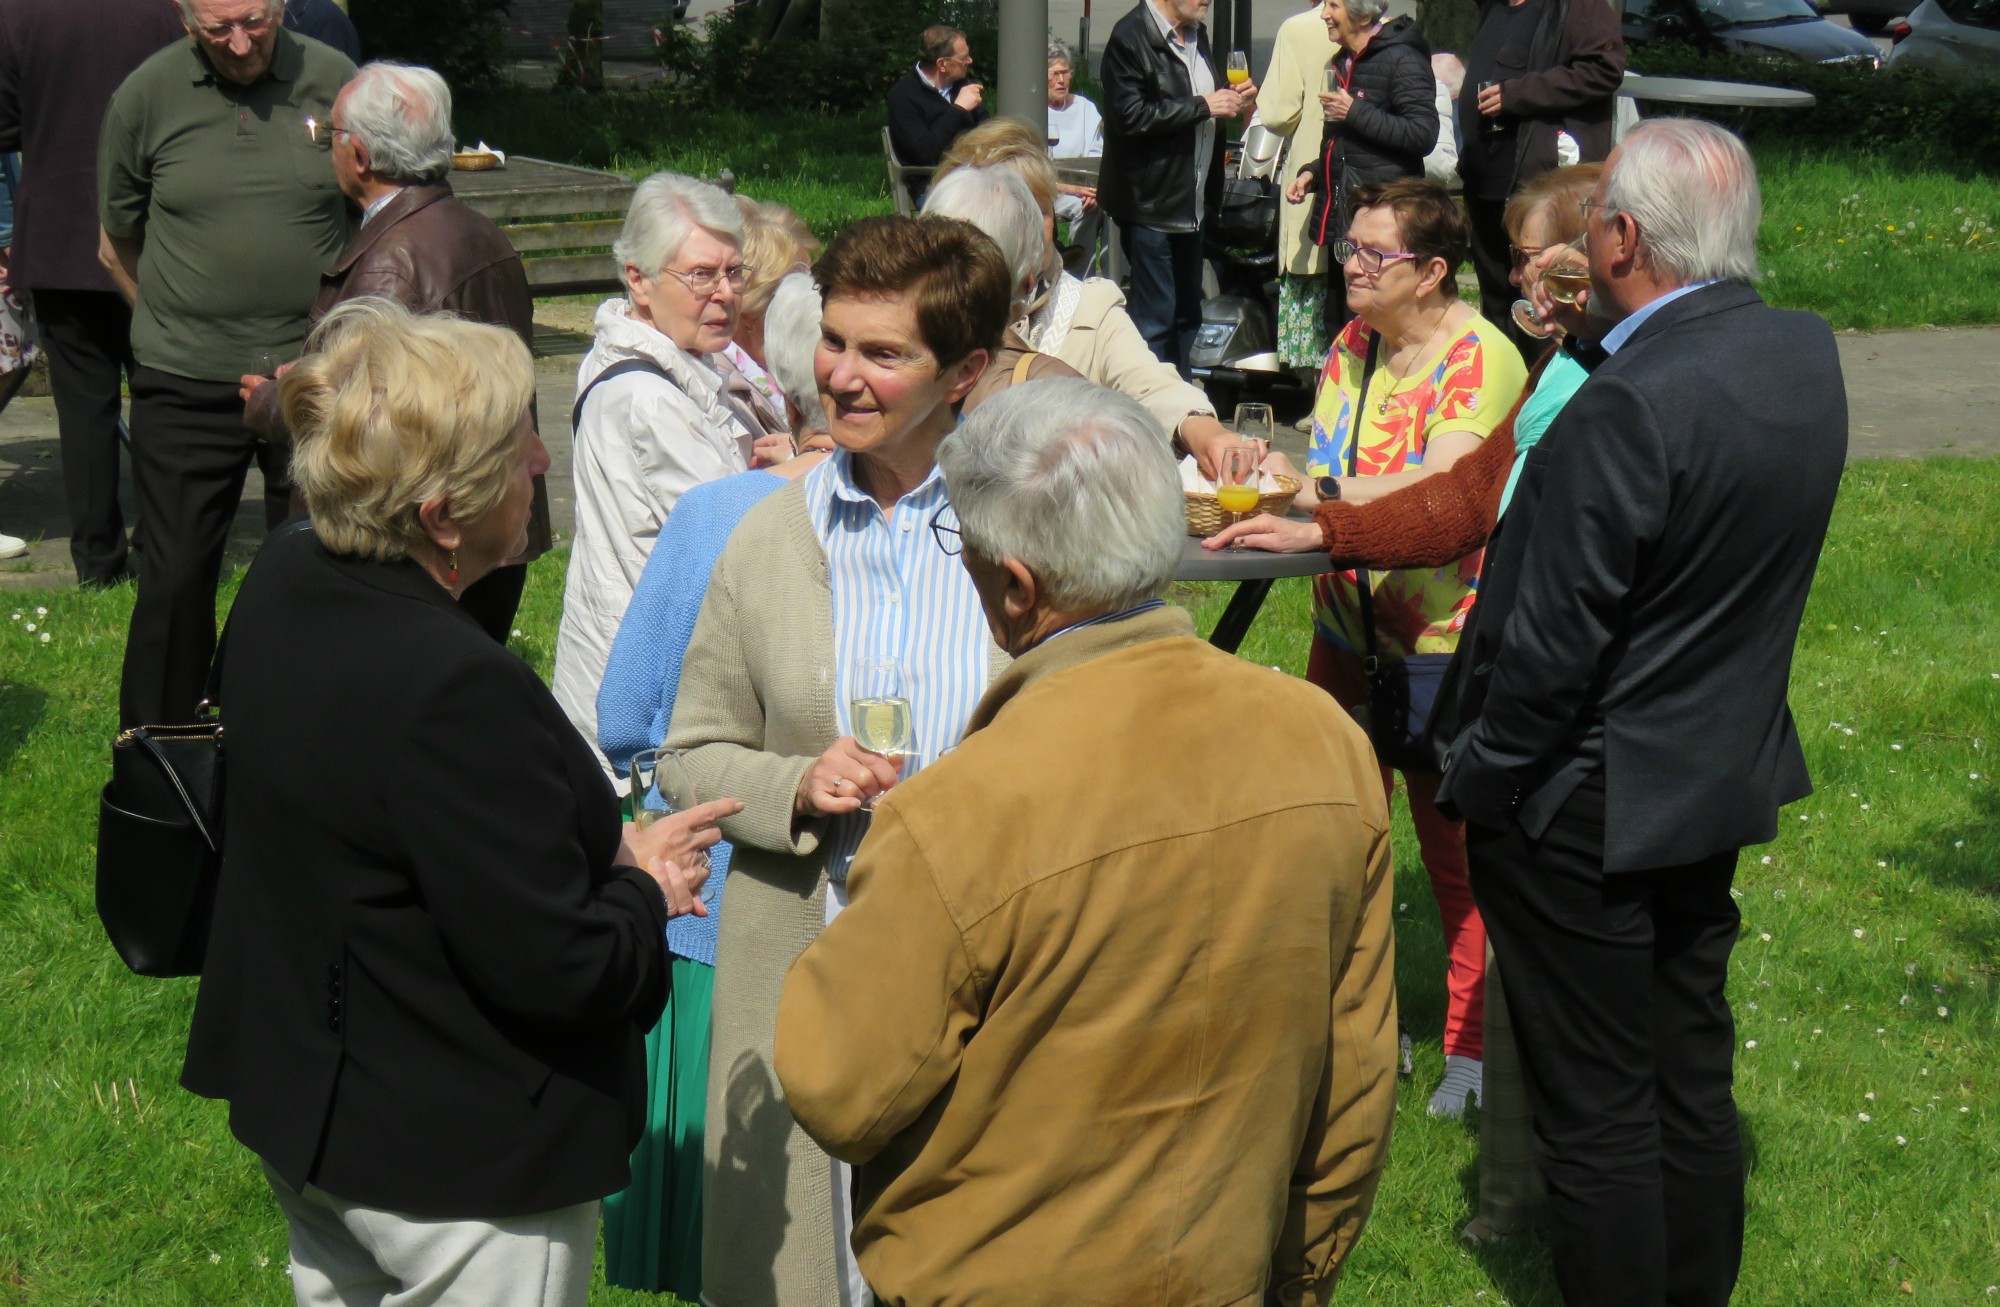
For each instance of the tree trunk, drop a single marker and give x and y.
(583, 58)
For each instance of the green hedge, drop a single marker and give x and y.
(1908, 114)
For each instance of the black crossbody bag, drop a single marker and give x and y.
(1406, 694)
(159, 839)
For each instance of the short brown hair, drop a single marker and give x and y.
(1428, 222)
(936, 43)
(776, 243)
(950, 269)
(1010, 143)
(1558, 193)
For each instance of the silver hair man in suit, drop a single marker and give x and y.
(1625, 724)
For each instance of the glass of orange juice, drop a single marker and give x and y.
(1239, 68)
(1236, 482)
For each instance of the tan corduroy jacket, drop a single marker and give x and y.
(1288, 104)
(755, 711)
(1111, 1017)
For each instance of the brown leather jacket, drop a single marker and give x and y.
(430, 252)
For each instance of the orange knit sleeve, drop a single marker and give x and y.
(1437, 521)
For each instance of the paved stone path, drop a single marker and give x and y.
(1911, 394)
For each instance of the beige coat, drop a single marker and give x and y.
(1111, 1017)
(1103, 344)
(1288, 104)
(755, 713)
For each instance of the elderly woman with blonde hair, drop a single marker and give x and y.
(437, 952)
(1084, 322)
(776, 244)
(659, 408)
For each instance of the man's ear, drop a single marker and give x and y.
(1024, 588)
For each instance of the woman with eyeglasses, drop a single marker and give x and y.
(1416, 383)
(659, 409)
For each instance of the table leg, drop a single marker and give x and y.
(1242, 610)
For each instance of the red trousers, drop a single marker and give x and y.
(1442, 844)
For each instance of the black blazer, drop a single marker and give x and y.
(427, 987)
(923, 124)
(1147, 175)
(1641, 599)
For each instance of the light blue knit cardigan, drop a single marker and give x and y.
(635, 701)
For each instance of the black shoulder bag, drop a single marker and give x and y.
(1404, 693)
(159, 839)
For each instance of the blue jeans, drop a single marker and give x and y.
(1165, 293)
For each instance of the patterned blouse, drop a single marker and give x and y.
(1471, 386)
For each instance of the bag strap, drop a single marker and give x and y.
(1021, 368)
(624, 367)
(1369, 662)
(152, 747)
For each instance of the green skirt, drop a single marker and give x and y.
(652, 1230)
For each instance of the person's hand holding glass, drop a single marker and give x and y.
(858, 769)
(1555, 285)
(670, 832)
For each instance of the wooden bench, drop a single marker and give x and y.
(561, 220)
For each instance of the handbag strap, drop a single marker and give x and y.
(1362, 585)
(1021, 368)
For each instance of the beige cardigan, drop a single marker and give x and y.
(1288, 104)
(1103, 344)
(755, 709)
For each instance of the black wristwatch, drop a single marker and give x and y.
(1328, 487)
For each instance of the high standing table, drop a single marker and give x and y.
(1253, 570)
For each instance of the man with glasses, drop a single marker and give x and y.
(421, 246)
(219, 209)
(934, 104)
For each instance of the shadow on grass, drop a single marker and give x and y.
(21, 710)
(1957, 853)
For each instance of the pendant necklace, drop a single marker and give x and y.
(1382, 407)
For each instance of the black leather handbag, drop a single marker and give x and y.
(159, 841)
(1248, 219)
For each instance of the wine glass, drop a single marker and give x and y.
(1239, 68)
(878, 709)
(660, 787)
(1567, 276)
(1332, 79)
(1530, 322)
(1236, 482)
(1255, 422)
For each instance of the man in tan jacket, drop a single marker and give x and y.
(1111, 1016)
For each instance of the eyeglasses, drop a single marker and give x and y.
(703, 282)
(1523, 257)
(946, 533)
(1372, 261)
(1587, 205)
(250, 27)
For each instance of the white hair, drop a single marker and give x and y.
(1692, 188)
(1365, 11)
(666, 209)
(1072, 480)
(275, 8)
(994, 199)
(402, 115)
(791, 336)
(1059, 54)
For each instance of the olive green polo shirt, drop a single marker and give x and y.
(232, 190)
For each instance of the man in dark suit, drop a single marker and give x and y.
(60, 60)
(1627, 731)
(421, 246)
(933, 104)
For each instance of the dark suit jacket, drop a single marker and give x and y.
(432, 253)
(427, 986)
(923, 124)
(325, 22)
(1641, 598)
(1151, 116)
(60, 60)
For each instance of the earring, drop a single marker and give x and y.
(453, 578)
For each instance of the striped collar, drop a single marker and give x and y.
(1102, 619)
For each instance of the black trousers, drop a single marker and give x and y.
(190, 454)
(1164, 295)
(87, 336)
(1493, 263)
(1615, 985)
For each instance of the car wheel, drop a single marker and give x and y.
(1869, 24)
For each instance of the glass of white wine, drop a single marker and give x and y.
(659, 785)
(1239, 68)
(878, 711)
(1567, 275)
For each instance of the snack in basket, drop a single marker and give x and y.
(477, 158)
(1207, 514)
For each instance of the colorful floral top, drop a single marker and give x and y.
(1471, 386)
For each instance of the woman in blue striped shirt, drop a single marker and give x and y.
(828, 573)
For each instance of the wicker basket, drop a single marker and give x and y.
(1205, 517)
(474, 161)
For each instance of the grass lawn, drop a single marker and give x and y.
(1868, 242)
(1865, 982)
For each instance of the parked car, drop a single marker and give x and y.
(1870, 16)
(1783, 29)
(1959, 38)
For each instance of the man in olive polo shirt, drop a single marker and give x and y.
(219, 210)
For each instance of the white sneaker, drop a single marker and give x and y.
(12, 546)
(1464, 1078)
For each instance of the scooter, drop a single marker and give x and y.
(1235, 353)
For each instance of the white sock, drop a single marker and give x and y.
(1464, 1077)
